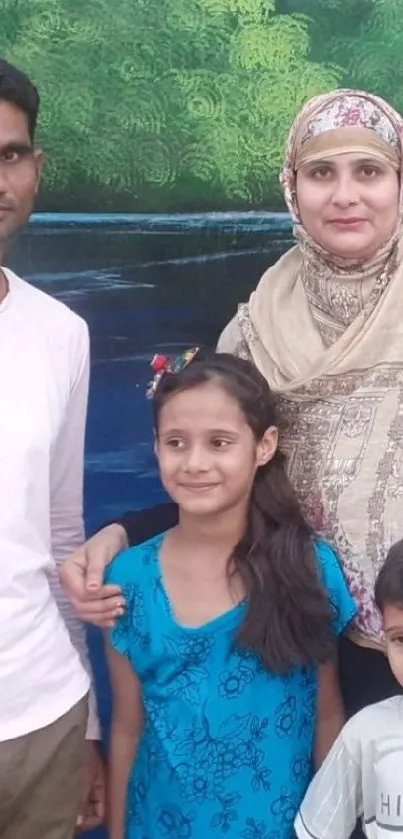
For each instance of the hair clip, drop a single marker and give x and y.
(162, 364)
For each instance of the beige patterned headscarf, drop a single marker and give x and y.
(354, 122)
(328, 337)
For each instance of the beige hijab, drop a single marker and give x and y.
(328, 336)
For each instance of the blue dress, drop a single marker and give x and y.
(227, 746)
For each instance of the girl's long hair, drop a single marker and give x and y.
(289, 616)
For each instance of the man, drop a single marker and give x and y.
(50, 776)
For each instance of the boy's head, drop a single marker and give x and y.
(389, 600)
(20, 163)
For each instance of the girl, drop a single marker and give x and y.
(223, 667)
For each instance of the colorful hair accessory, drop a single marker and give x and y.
(162, 364)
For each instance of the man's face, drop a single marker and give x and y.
(20, 170)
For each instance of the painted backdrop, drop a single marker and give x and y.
(163, 123)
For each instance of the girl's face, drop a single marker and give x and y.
(207, 452)
(348, 204)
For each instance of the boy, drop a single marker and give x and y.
(362, 776)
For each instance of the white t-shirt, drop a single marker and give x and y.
(44, 360)
(362, 777)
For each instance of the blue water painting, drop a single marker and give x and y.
(144, 284)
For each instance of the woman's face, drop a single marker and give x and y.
(348, 204)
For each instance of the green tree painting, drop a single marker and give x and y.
(374, 58)
(362, 37)
(162, 105)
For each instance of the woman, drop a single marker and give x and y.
(325, 327)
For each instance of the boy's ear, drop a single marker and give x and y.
(267, 446)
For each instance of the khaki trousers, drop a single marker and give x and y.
(41, 779)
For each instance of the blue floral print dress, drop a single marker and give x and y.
(227, 746)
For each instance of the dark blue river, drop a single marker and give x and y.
(144, 284)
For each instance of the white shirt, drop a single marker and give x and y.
(44, 361)
(362, 777)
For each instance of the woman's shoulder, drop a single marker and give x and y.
(231, 338)
(287, 265)
(135, 564)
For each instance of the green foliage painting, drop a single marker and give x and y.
(163, 105)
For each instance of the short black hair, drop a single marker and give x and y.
(16, 87)
(389, 582)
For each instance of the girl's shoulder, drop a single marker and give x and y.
(136, 570)
(326, 556)
(334, 581)
(136, 564)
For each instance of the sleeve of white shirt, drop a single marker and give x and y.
(333, 802)
(66, 497)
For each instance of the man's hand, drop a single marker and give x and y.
(92, 809)
(82, 575)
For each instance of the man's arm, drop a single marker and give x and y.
(66, 497)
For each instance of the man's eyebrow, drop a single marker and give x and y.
(17, 146)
